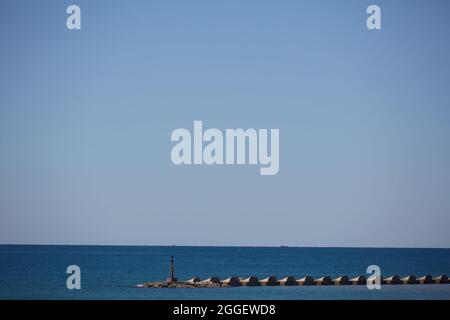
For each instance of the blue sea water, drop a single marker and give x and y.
(111, 272)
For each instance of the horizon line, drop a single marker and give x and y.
(219, 246)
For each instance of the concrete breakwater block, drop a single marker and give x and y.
(270, 281)
(232, 282)
(426, 279)
(359, 280)
(251, 281)
(193, 280)
(442, 279)
(306, 281)
(341, 281)
(409, 280)
(392, 280)
(288, 281)
(215, 280)
(323, 281)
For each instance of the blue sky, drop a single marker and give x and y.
(364, 119)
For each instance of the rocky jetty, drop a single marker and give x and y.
(178, 284)
(234, 281)
(215, 282)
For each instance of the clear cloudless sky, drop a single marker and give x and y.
(364, 119)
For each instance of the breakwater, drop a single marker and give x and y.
(234, 281)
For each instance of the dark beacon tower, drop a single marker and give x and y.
(172, 278)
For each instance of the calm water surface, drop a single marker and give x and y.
(111, 272)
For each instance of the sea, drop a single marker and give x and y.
(112, 272)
